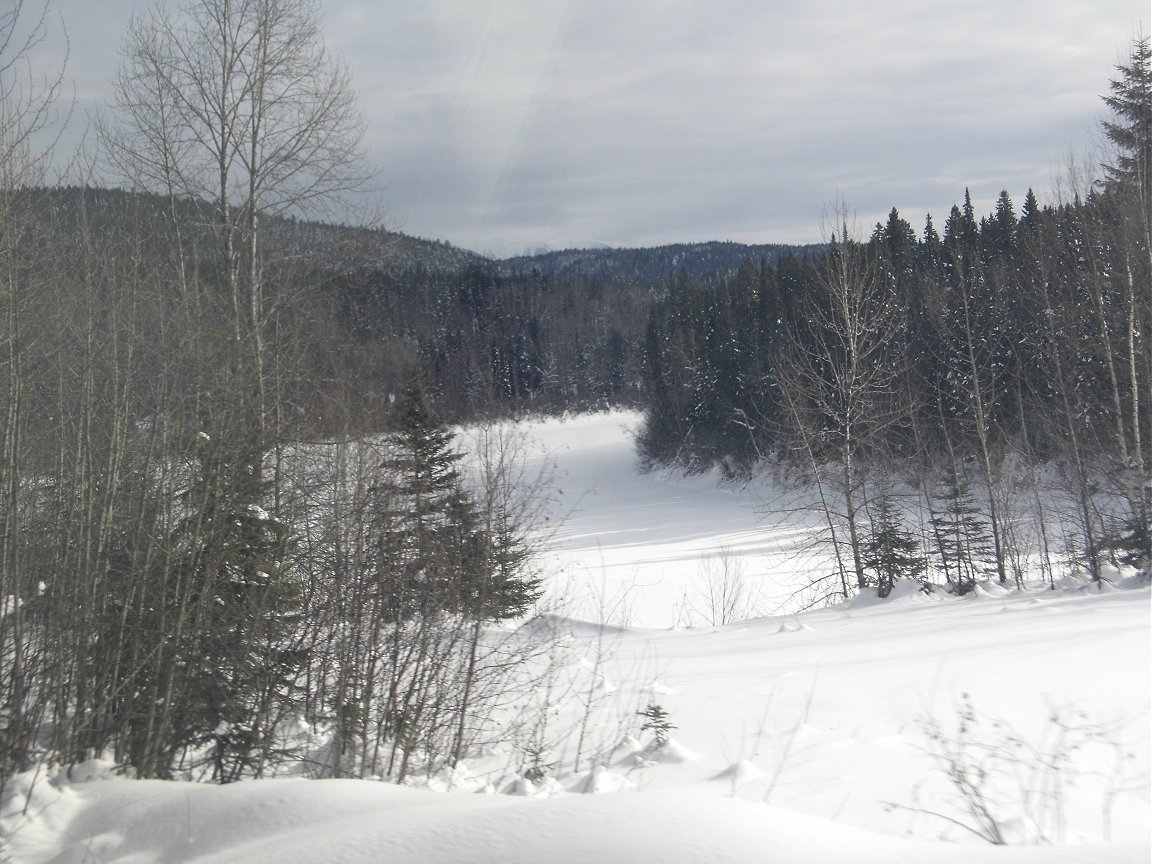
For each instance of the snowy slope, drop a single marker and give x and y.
(639, 548)
(798, 738)
(362, 823)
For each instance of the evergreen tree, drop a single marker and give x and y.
(438, 552)
(930, 240)
(446, 565)
(900, 240)
(1131, 130)
(892, 552)
(422, 517)
(969, 230)
(961, 535)
(1133, 542)
(956, 252)
(233, 636)
(999, 233)
(660, 436)
(1030, 213)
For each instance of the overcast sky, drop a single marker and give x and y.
(506, 125)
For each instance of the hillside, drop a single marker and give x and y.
(703, 262)
(334, 247)
(345, 247)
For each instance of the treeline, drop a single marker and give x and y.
(626, 268)
(977, 300)
(491, 345)
(940, 359)
(369, 308)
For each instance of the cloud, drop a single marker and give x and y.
(506, 124)
(668, 121)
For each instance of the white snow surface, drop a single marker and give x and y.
(642, 548)
(798, 737)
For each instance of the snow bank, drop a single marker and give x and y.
(302, 822)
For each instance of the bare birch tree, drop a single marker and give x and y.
(837, 376)
(235, 113)
(28, 104)
(237, 104)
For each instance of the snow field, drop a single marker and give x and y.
(798, 737)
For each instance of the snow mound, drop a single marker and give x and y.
(671, 751)
(903, 591)
(358, 822)
(740, 774)
(88, 771)
(602, 780)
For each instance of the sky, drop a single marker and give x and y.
(505, 126)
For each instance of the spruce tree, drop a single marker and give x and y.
(1030, 214)
(962, 537)
(446, 566)
(660, 436)
(1132, 544)
(232, 638)
(998, 235)
(438, 554)
(420, 512)
(892, 552)
(1131, 130)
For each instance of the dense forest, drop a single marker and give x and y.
(941, 360)
(230, 498)
(370, 309)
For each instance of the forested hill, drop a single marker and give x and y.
(358, 311)
(330, 246)
(705, 262)
(337, 247)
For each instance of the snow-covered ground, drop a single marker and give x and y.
(821, 736)
(655, 549)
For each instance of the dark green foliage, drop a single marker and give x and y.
(1131, 129)
(656, 721)
(707, 352)
(435, 554)
(891, 552)
(998, 237)
(1133, 544)
(507, 586)
(1030, 215)
(211, 660)
(961, 535)
(236, 654)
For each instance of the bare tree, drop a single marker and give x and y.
(1129, 196)
(238, 105)
(976, 373)
(234, 111)
(1094, 290)
(28, 103)
(837, 375)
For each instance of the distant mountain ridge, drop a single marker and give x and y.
(334, 247)
(339, 247)
(700, 261)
